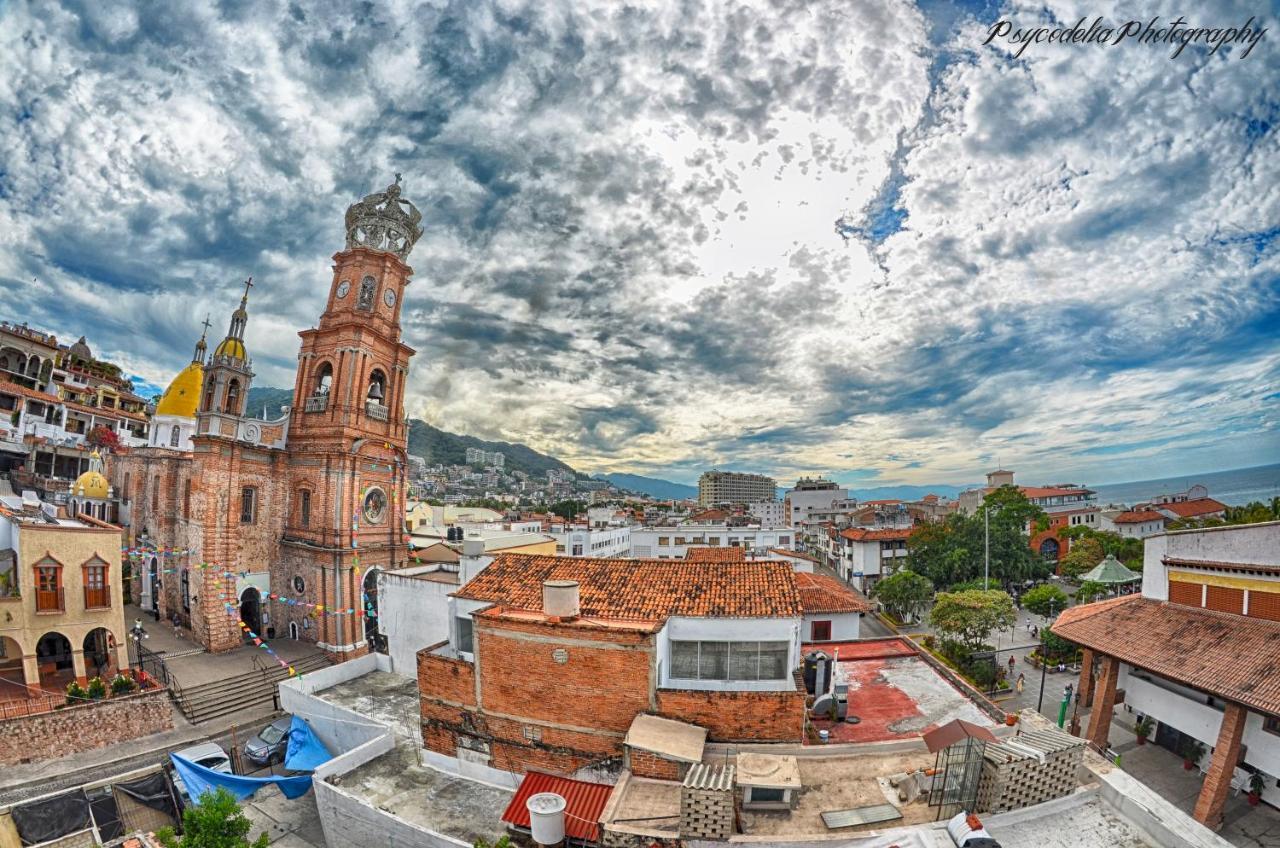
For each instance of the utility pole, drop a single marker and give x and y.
(1044, 661)
(986, 559)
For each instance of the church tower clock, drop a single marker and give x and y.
(347, 435)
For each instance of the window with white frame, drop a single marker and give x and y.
(700, 660)
(466, 635)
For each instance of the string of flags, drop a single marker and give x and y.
(258, 641)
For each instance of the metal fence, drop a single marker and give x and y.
(154, 665)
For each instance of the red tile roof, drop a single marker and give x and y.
(1231, 656)
(1137, 516)
(793, 554)
(819, 593)
(1051, 491)
(866, 534)
(710, 515)
(1195, 508)
(643, 589)
(703, 553)
(584, 802)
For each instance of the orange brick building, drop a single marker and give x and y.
(279, 523)
(550, 659)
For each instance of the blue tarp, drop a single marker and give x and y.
(200, 780)
(306, 751)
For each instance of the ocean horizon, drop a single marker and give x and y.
(1236, 487)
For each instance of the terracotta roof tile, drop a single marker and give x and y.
(1137, 516)
(643, 589)
(819, 593)
(703, 553)
(1195, 508)
(1230, 656)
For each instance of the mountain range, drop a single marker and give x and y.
(651, 486)
(434, 445)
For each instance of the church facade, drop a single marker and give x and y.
(279, 526)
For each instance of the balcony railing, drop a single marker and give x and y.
(49, 600)
(316, 403)
(97, 598)
(375, 410)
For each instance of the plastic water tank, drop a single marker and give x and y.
(546, 818)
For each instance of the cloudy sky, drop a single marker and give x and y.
(778, 236)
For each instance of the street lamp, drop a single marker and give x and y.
(1044, 661)
(986, 557)
(138, 633)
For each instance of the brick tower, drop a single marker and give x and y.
(347, 434)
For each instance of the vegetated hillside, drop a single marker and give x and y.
(437, 446)
(272, 399)
(651, 486)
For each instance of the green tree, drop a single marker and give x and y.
(1124, 548)
(567, 509)
(904, 594)
(952, 551)
(215, 822)
(970, 616)
(1085, 553)
(1090, 591)
(1045, 599)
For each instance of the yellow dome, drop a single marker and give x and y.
(231, 347)
(92, 484)
(182, 398)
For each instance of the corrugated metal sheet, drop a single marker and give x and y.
(583, 803)
(703, 776)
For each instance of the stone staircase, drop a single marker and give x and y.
(255, 688)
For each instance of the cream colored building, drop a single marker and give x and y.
(61, 595)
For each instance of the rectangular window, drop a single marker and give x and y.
(764, 795)
(186, 499)
(728, 660)
(48, 587)
(679, 540)
(820, 631)
(248, 505)
(96, 592)
(466, 634)
(186, 590)
(664, 541)
(304, 508)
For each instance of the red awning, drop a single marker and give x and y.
(584, 802)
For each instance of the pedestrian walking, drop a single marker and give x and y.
(1012, 662)
(1022, 682)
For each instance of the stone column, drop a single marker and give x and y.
(31, 670)
(77, 664)
(1085, 686)
(1217, 781)
(1100, 719)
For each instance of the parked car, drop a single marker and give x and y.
(210, 755)
(271, 743)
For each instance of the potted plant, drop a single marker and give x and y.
(1011, 719)
(97, 689)
(1192, 751)
(1143, 729)
(1255, 789)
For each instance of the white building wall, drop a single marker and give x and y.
(412, 614)
(645, 542)
(802, 503)
(601, 543)
(768, 513)
(1166, 703)
(844, 625)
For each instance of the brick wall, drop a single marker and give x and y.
(572, 675)
(648, 764)
(72, 730)
(738, 716)
(446, 678)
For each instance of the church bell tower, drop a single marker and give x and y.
(347, 430)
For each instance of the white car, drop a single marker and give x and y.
(210, 755)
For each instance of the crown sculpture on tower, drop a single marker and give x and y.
(384, 221)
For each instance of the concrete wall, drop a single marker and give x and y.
(844, 625)
(412, 613)
(1249, 543)
(351, 821)
(342, 730)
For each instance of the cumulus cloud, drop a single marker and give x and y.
(629, 258)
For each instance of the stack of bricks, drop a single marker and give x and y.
(1014, 777)
(706, 803)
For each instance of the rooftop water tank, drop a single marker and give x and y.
(546, 818)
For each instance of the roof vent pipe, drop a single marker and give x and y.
(560, 598)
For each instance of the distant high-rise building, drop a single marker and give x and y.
(731, 487)
(479, 456)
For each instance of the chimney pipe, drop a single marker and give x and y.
(560, 599)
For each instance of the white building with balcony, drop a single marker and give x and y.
(673, 542)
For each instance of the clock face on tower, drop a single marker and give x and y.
(343, 288)
(389, 297)
(375, 506)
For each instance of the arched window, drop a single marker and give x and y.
(377, 387)
(174, 435)
(208, 394)
(304, 508)
(232, 406)
(48, 585)
(324, 379)
(97, 588)
(33, 366)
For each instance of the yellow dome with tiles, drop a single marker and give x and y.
(233, 348)
(182, 398)
(92, 484)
